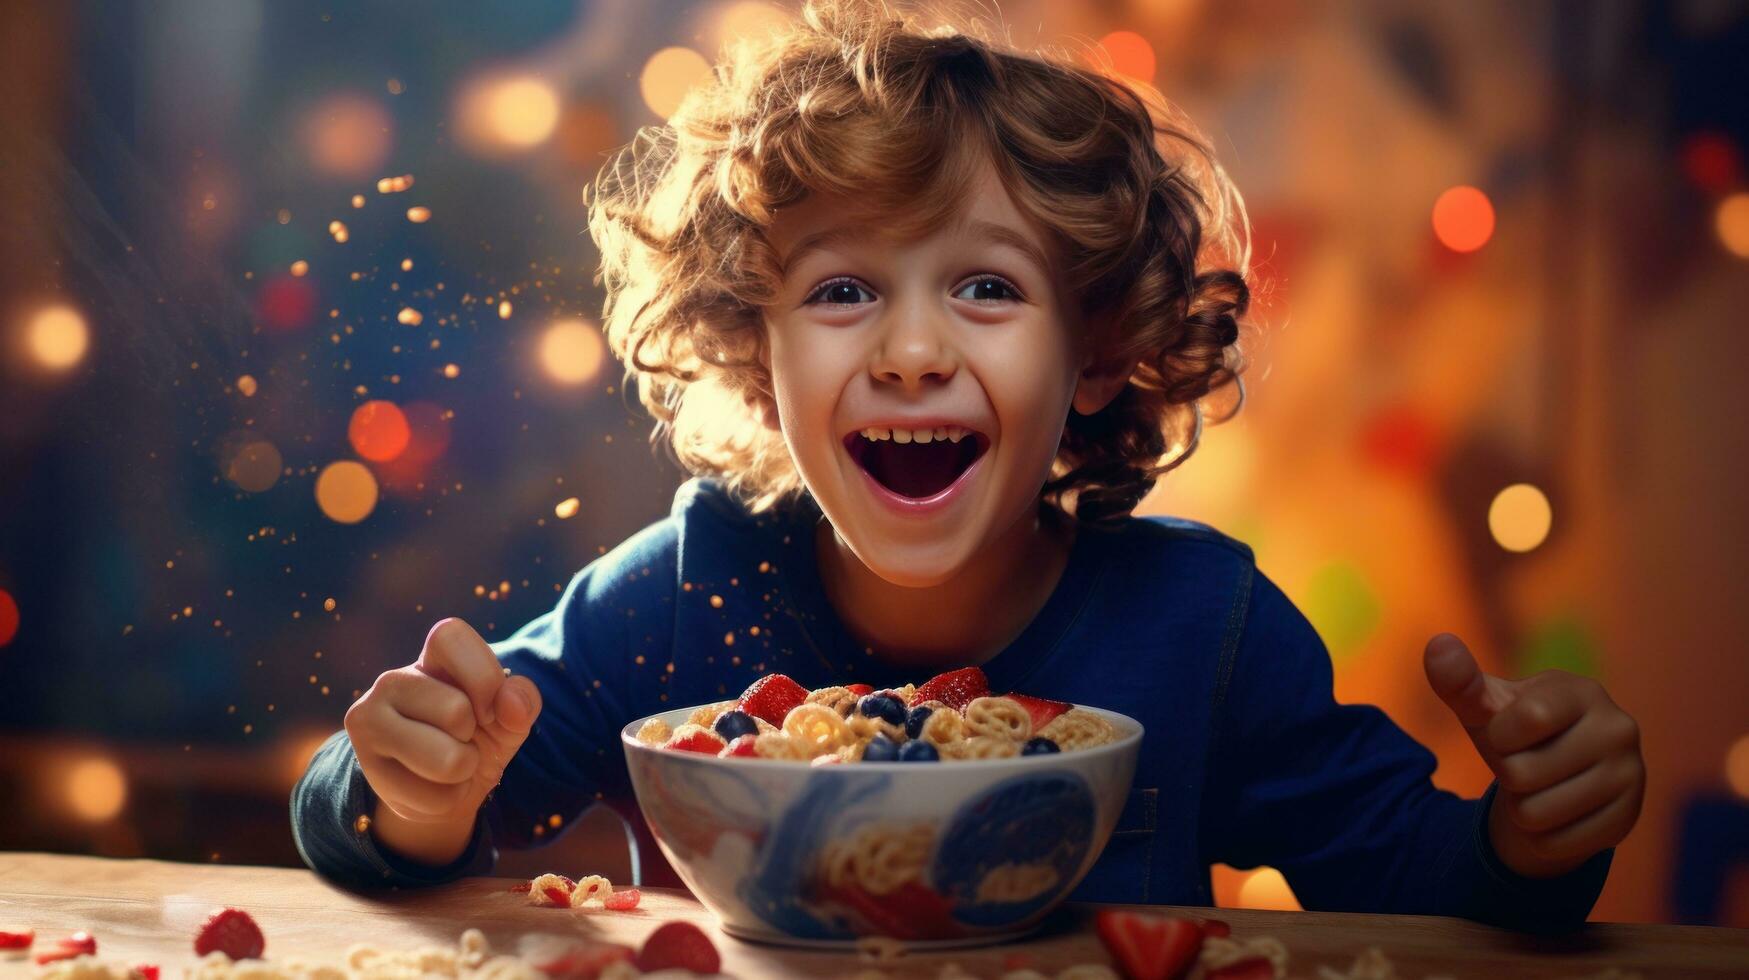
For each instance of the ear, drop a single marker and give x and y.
(1100, 382)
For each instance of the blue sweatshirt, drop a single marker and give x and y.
(1247, 758)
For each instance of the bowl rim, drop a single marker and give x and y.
(629, 738)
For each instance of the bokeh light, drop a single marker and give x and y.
(346, 491)
(1267, 888)
(57, 337)
(347, 136)
(1131, 55)
(255, 465)
(1711, 162)
(8, 617)
(1737, 767)
(507, 113)
(1732, 222)
(94, 789)
(419, 214)
(1463, 219)
(299, 750)
(378, 431)
(285, 303)
(1520, 517)
(668, 76)
(749, 20)
(571, 352)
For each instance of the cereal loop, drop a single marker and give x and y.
(999, 718)
(986, 747)
(943, 727)
(654, 732)
(866, 728)
(817, 728)
(879, 859)
(777, 745)
(1078, 729)
(839, 699)
(706, 715)
(590, 888)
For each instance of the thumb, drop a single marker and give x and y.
(1454, 675)
(517, 705)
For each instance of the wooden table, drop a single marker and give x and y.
(148, 911)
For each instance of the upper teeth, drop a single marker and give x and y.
(952, 433)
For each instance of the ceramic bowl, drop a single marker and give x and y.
(931, 853)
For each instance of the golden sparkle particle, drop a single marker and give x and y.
(567, 508)
(716, 602)
(452, 370)
(419, 214)
(246, 385)
(410, 316)
(300, 268)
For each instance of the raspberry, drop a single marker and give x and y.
(231, 932)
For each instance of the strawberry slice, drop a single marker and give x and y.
(147, 971)
(771, 697)
(1215, 927)
(1042, 710)
(623, 900)
(699, 740)
(71, 947)
(1250, 968)
(679, 946)
(1147, 946)
(741, 746)
(956, 688)
(585, 962)
(17, 938)
(231, 932)
(859, 689)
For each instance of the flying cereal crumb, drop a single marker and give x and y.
(419, 215)
(300, 268)
(504, 310)
(410, 316)
(452, 370)
(567, 508)
(337, 228)
(358, 200)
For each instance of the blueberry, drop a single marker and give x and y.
(882, 706)
(918, 751)
(1039, 746)
(880, 749)
(733, 724)
(914, 721)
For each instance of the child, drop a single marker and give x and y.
(928, 317)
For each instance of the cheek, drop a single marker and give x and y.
(1030, 383)
(806, 381)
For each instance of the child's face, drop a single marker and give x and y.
(968, 326)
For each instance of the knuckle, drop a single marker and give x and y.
(1514, 775)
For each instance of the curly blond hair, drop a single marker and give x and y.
(862, 99)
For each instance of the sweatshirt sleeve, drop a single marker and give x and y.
(578, 654)
(1341, 800)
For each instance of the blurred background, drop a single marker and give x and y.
(299, 352)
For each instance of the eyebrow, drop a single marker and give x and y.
(999, 233)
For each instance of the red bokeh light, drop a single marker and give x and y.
(378, 431)
(428, 428)
(1463, 218)
(1401, 439)
(1711, 163)
(285, 303)
(8, 618)
(1131, 55)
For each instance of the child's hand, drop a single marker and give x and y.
(1566, 758)
(433, 737)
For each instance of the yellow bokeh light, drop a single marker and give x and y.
(1732, 222)
(95, 789)
(1266, 888)
(749, 20)
(1737, 767)
(567, 508)
(58, 337)
(255, 467)
(1520, 517)
(346, 491)
(668, 76)
(571, 352)
(523, 111)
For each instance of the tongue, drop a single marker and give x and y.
(916, 469)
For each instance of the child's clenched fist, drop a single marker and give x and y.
(433, 738)
(1565, 756)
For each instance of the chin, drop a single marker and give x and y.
(908, 568)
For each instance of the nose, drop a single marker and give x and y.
(914, 345)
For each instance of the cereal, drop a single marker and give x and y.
(1079, 728)
(654, 732)
(999, 718)
(825, 724)
(1016, 882)
(590, 888)
(878, 859)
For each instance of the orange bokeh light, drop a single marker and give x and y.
(1131, 55)
(1463, 219)
(347, 135)
(378, 431)
(346, 491)
(8, 617)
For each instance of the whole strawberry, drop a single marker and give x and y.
(956, 688)
(231, 932)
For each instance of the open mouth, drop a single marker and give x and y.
(913, 468)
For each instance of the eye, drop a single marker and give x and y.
(839, 292)
(988, 289)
